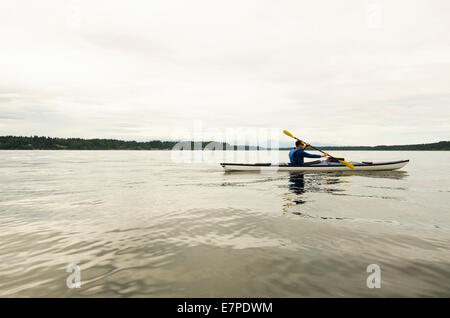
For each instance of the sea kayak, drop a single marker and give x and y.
(316, 166)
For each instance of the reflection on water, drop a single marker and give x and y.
(301, 183)
(395, 175)
(139, 225)
(297, 186)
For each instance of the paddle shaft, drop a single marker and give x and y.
(321, 151)
(317, 149)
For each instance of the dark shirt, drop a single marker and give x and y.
(296, 156)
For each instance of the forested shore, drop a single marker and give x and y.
(49, 143)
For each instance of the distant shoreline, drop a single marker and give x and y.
(436, 146)
(48, 143)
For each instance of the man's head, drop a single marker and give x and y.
(300, 144)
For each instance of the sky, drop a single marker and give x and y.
(348, 72)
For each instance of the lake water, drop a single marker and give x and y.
(138, 224)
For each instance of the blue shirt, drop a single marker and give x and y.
(296, 156)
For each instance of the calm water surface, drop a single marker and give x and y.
(139, 224)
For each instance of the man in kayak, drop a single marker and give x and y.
(296, 155)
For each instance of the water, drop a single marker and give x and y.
(139, 224)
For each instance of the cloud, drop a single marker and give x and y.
(144, 69)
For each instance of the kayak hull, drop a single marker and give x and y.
(322, 166)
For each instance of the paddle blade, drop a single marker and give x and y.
(287, 133)
(348, 164)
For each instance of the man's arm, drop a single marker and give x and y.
(308, 155)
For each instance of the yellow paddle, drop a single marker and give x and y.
(348, 164)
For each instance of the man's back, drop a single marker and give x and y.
(296, 156)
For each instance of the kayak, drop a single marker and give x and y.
(316, 166)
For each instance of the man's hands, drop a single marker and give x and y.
(325, 155)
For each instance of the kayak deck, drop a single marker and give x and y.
(316, 166)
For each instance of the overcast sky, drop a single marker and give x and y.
(350, 72)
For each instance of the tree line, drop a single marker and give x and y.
(441, 145)
(49, 143)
